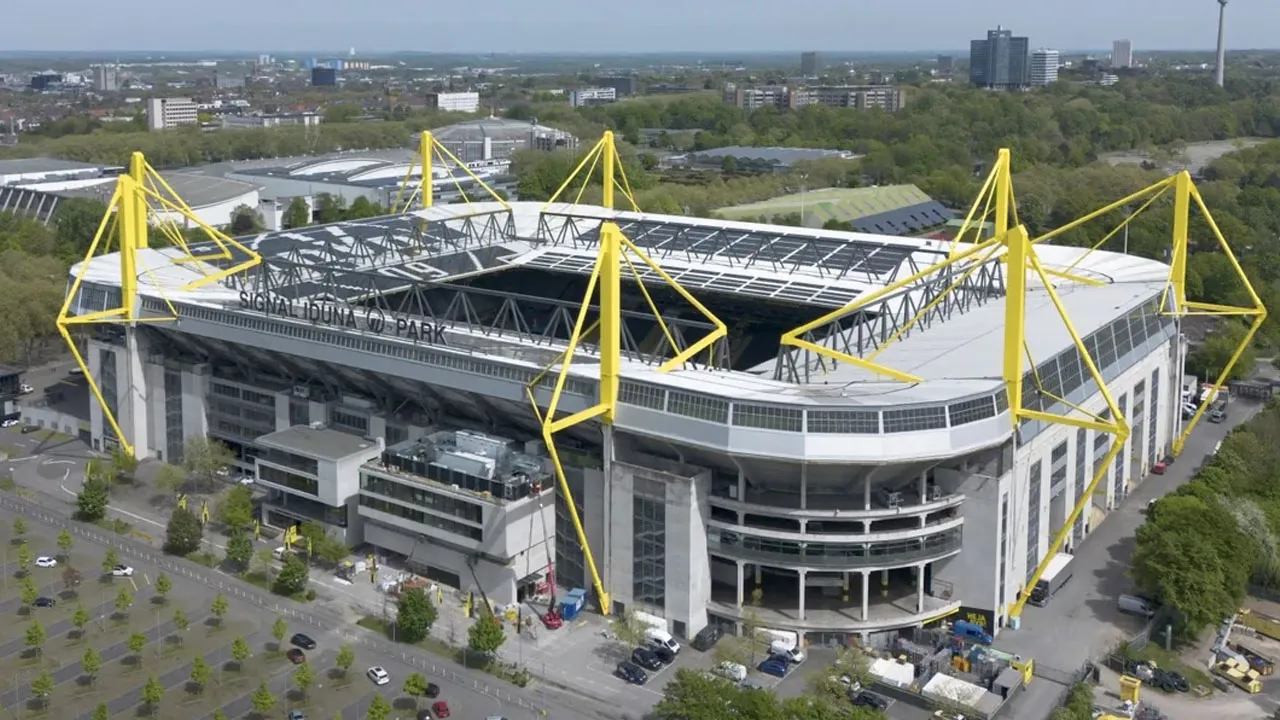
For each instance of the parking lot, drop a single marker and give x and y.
(91, 614)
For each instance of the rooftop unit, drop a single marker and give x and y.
(471, 461)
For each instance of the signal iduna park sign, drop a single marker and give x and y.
(338, 315)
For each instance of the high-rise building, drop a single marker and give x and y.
(1000, 61)
(809, 64)
(167, 113)
(946, 63)
(1044, 67)
(1121, 54)
(106, 78)
(324, 77)
(622, 85)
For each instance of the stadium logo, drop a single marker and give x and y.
(373, 320)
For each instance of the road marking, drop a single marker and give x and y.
(57, 462)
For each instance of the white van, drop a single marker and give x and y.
(792, 653)
(731, 671)
(1135, 605)
(662, 638)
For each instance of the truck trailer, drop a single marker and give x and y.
(1055, 575)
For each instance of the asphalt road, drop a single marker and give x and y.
(1082, 623)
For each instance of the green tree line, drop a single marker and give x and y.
(1202, 545)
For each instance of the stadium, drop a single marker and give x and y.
(835, 433)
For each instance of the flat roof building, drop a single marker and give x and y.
(169, 113)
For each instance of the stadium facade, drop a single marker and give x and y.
(376, 376)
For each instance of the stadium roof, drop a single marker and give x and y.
(771, 155)
(793, 264)
(197, 190)
(356, 170)
(27, 166)
(494, 128)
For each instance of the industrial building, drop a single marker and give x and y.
(35, 186)
(464, 102)
(585, 97)
(856, 97)
(399, 379)
(495, 138)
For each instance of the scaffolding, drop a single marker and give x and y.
(1012, 247)
(614, 253)
(143, 204)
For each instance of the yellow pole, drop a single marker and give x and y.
(128, 231)
(427, 148)
(138, 173)
(610, 290)
(608, 153)
(1181, 224)
(1003, 189)
(1015, 283)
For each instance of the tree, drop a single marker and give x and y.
(71, 578)
(102, 712)
(485, 635)
(263, 700)
(297, 214)
(136, 643)
(184, 533)
(90, 664)
(124, 601)
(24, 559)
(92, 501)
(42, 687)
(415, 614)
(239, 651)
(200, 672)
(80, 618)
(203, 457)
(152, 693)
(170, 478)
(29, 590)
(239, 551)
(109, 561)
(323, 544)
(279, 629)
(415, 686)
(218, 607)
(65, 543)
(163, 586)
(219, 715)
(236, 508)
(293, 577)
(302, 678)
(245, 221)
(35, 637)
(692, 694)
(19, 527)
(628, 629)
(180, 620)
(346, 658)
(379, 709)
(1209, 357)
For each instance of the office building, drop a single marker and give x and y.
(324, 77)
(1000, 62)
(464, 102)
(858, 97)
(1121, 54)
(106, 78)
(167, 113)
(223, 80)
(622, 85)
(809, 66)
(946, 63)
(592, 96)
(1044, 67)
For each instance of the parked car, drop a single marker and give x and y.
(440, 709)
(45, 602)
(664, 654)
(631, 673)
(9, 423)
(870, 700)
(1135, 605)
(731, 671)
(1217, 416)
(45, 561)
(661, 638)
(433, 690)
(122, 571)
(706, 638)
(646, 658)
(296, 656)
(776, 666)
(303, 641)
(27, 429)
(297, 715)
(378, 675)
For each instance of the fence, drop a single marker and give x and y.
(36, 510)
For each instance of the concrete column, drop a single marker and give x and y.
(319, 412)
(283, 401)
(131, 385)
(742, 581)
(378, 427)
(866, 596)
(866, 494)
(742, 486)
(803, 575)
(844, 586)
(606, 557)
(920, 588)
(884, 583)
(804, 490)
(924, 487)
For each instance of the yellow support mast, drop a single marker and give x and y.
(423, 195)
(614, 253)
(142, 197)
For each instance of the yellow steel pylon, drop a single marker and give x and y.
(429, 152)
(614, 253)
(1012, 245)
(127, 223)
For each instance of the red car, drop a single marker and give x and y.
(296, 656)
(440, 708)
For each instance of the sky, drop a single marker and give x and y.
(553, 26)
